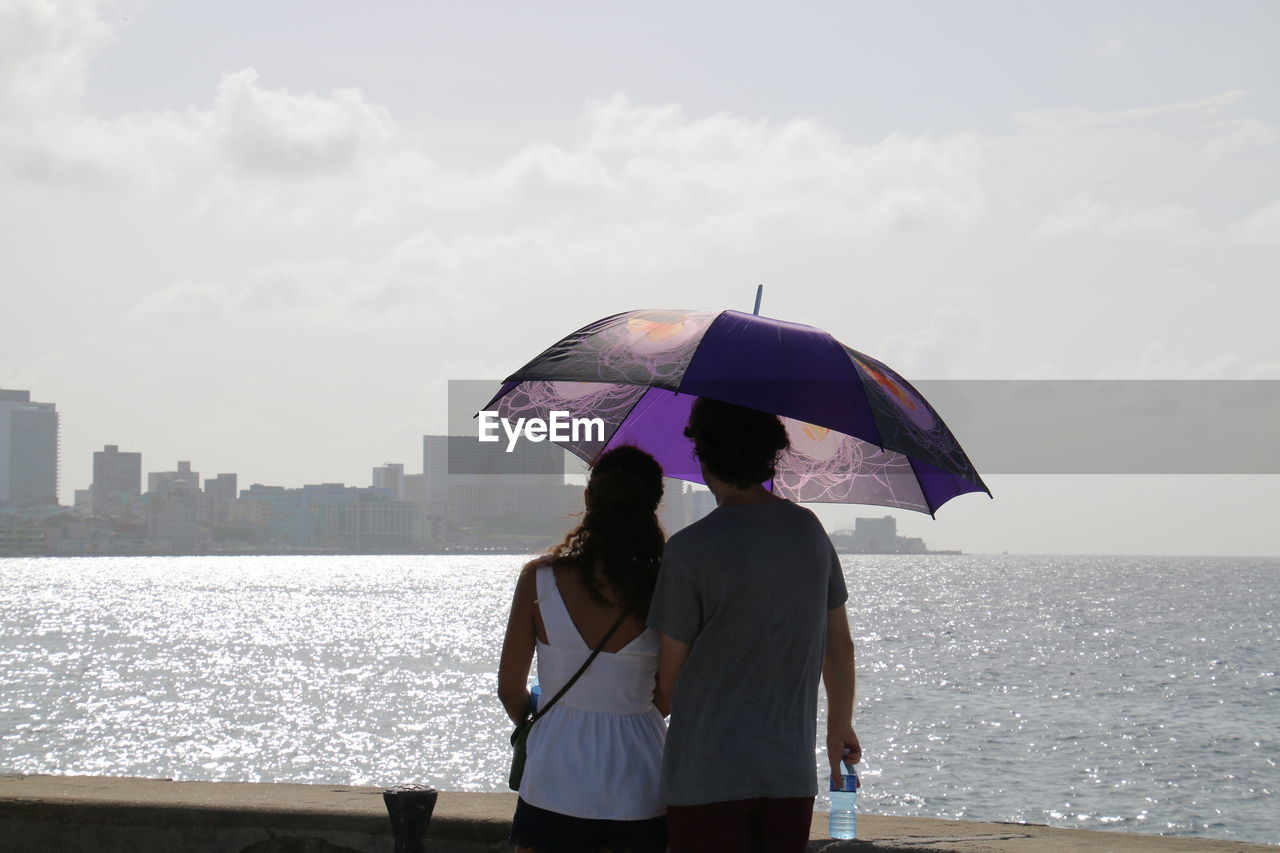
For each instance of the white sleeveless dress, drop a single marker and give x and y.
(598, 752)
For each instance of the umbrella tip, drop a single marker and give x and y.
(759, 293)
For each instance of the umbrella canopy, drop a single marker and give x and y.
(859, 432)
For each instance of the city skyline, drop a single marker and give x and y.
(467, 499)
(946, 531)
(270, 255)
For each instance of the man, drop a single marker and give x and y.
(750, 606)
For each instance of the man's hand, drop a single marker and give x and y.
(837, 742)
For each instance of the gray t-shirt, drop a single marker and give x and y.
(749, 587)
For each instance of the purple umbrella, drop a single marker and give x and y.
(859, 432)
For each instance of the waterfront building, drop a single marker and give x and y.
(683, 504)
(390, 476)
(220, 491)
(325, 516)
(911, 545)
(274, 515)
(182, 480)
(879, 536)
(25, 530)
(178, 514)
(475, 495)
(117, 482)
(428, 526)
(178, 520)
(90, 534)
(362, 520)
(672, 512)
(28, 450)
(701, 503)
(875, 535)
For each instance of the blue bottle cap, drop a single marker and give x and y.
(848, 782)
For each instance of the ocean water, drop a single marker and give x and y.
(1126, 693)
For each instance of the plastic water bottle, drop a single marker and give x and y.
(842, 821)
(535, 693)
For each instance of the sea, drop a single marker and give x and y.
(1137, 694)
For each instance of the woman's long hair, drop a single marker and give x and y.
(619, 531)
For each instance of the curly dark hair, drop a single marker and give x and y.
(738, 445)
(619, 529)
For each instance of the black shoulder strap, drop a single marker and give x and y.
(563, 690)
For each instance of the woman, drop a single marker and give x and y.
(591, 777)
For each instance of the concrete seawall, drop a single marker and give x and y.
(41, 814)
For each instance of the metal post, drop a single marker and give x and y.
(409, 807)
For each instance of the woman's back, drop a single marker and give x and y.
(597, 752)
(591, 618)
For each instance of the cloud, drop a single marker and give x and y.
(637, 178)
(1084, 214)
(341, 217)
(1110, 48)
(1077, 119)
(282, 133)
(182, 300)
(411, 287)
(671, 163)
(45, 49)
(1241, 135)
(1158, 360)
(266, 231)
(634, 176)
(948, 346)
(1262, 227)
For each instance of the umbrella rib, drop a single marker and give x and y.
(924, 493)
(693, 356)
(622, 421)
(866, 399)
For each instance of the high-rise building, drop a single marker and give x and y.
(483, 498)
(117, 481)
(83, 502)
(683, 504)
(700, 501)
(177, 521)
(182, 480)
(177, 514)
(28, 450)
(220, 491)
(673, 512)
(427, 522)
(390, 476)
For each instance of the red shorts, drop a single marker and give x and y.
(760, 825)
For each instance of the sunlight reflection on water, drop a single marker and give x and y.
(1074, 691)
(360, 670)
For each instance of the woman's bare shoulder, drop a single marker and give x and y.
(531, 568)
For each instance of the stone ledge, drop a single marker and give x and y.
(98, 814)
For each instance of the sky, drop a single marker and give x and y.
(263, 236)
